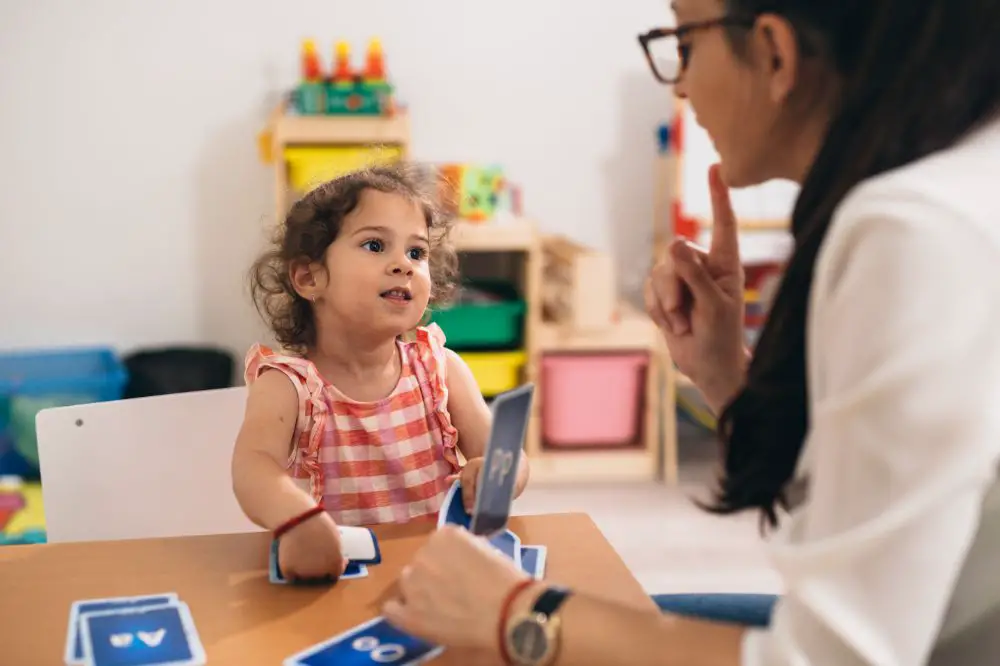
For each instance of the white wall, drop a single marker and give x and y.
(131, 196)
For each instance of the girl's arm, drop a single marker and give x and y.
(472, 417)
(263, 488)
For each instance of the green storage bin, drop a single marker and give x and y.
(483, 325)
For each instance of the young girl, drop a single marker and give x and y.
(357, 421)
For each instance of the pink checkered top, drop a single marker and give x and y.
(372, 462)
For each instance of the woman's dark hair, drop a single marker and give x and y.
(313, 224)
(912, 77)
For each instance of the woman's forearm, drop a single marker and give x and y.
(595, 632)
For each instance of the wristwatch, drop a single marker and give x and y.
(533, 639)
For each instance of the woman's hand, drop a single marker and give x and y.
(696, 298)
(452, 591)
(311, 550)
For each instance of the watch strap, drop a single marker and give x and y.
(549, 601)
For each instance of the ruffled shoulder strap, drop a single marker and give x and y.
(429, 349)
(313, 408)
(261, 357)
(429, 361)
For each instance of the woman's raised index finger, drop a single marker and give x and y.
(725, 248)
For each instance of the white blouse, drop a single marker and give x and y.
(894, 557)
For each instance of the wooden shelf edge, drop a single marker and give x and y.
(290, 129)
(517, 235)
(633, 332)
(753, 225)
(624, 464)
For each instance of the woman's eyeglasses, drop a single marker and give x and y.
(667, 51)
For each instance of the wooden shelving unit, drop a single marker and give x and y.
(634, 331)
(518, 248)
(285, 130)
(293, 129)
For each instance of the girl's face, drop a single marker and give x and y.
(377, 275)
(740, 99)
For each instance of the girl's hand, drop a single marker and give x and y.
(469, 476)
(311, 550)
(452, 591)
(696, 298)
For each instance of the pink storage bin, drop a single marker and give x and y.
(592, 400)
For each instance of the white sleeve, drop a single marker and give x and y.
(905, 342)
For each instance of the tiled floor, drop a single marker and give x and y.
(669, 543)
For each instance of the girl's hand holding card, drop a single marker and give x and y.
(311, 550)
(469, 476)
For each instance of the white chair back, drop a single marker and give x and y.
(141, 468)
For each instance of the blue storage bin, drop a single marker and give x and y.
(34, 380)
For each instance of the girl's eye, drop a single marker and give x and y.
(417, 253)
(373, 245)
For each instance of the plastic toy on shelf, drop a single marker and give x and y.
(345, 91)
(477, 193)
(22, 516)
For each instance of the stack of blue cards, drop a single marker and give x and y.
(133, 631)
(530, 558)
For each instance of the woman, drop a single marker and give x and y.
(876, 380)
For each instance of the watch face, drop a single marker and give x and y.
(529, 641)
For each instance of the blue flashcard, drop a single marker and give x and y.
(359, 544)
(453, 513)
(160, 635)
(453, 509)
(354, 570)
(273, 570)
(373, 642)
(498, 477)
(533, 560)
(74, 646)
(509, 544)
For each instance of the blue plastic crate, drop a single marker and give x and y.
(33, 380)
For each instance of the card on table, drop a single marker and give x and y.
(509, 544)
(495, 488)
(74, 645)
(141, 636)
(373, 642)
(359, 544)
(353, 570)
(533, 560)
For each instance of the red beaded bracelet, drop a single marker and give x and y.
(504, 610)
(295, 521)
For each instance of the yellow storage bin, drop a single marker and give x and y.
(309, 166)
(495, 372)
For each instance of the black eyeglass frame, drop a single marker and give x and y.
(679, 32)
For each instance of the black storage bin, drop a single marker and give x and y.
(177, 370)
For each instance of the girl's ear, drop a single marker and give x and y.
(308, 278)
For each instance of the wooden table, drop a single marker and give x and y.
(241, 617)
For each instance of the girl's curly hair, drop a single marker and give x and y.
(314, 222)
